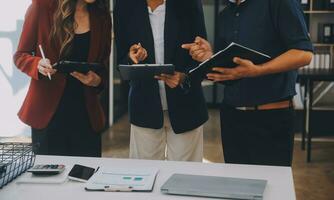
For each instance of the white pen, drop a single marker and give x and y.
(138, 46)
(43, 56)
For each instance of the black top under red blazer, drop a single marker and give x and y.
(44, 95)
(184, 21)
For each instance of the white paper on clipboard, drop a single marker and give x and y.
(138, 179)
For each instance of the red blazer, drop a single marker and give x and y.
(44, 95)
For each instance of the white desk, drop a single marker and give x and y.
(280, 182)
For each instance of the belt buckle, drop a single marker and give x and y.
(245, 108)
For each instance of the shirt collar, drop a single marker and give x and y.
(160, 7)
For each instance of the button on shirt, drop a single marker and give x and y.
(269, 26)
(157, 20)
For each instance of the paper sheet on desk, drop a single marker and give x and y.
(138, 179)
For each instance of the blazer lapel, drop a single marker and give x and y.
(95, 32)
(171, 31)
(147, 33)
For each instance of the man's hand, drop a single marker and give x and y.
(44, 67)
(245, 69)
(200, 50)
(172, 80)
(137, 53)
(90, 79)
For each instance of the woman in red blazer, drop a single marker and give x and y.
(65, 113)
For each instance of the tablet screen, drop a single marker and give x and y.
(71, 66)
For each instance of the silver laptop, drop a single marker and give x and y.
(215, 187)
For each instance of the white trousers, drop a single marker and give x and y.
(162, 144)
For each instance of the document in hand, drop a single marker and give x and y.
(122, 180)
(224, 58)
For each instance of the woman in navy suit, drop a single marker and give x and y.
(167, 113)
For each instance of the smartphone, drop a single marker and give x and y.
(81, 173)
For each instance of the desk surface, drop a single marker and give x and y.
(280, 182)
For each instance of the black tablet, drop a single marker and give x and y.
(67, 67)
(144, 71)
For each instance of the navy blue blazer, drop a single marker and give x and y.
(184, 21)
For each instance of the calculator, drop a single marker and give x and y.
(47, 169)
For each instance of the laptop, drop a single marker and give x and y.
(215, 187)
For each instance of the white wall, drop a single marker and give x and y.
(13, 83)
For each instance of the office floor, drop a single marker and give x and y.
(313, 181)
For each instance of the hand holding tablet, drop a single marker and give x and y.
(137, 53)
(90, 79)
(145, 71)
(172, 80)
(68, 67)
(83, 71)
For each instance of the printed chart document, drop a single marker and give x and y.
(224, 58)
(119, 180)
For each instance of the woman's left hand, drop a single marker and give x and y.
(172, 80)
(90, 79)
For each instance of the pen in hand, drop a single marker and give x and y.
(137, 53)
(43, 56)
(138, 47)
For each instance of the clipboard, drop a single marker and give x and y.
(67, 67)
(144, 71)
(122, 180)
(224, 58)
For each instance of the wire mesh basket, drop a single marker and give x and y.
(15, 159)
